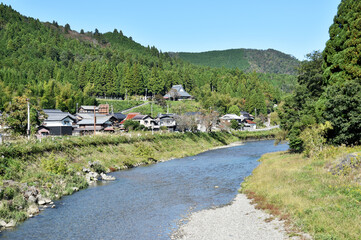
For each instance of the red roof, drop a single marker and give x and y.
(129, 117)
(250, 122)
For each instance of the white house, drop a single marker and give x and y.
(147, 121)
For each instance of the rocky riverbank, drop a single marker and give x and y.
(33, 202)
(53, 168)
(239, 220)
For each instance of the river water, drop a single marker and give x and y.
(148, 202)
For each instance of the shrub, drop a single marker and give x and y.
(98, 168)
(55, 165)
(313, 138)
(144, 151)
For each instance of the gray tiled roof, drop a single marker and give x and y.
(57, 115)
(99, 120)
(89, 108)
(180, 91)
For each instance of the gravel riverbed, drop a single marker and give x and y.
(239, 220)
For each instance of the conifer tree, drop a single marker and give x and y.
(342, 53)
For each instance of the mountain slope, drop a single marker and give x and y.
(56, 67)
(248, 60)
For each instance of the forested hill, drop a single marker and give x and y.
(249, 60)
(57, 67)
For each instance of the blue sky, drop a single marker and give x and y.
(294, 27)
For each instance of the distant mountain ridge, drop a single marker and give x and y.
(248, 60)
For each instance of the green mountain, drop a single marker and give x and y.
(248, 60)
(57, 67)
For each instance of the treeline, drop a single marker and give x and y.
(248, 60)
(326, 106)
(57, 67)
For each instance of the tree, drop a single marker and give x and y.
(341, 55)
(131, 125)
(234, 124)
(343, 109)
(209, 120)
(234, 110)
(67, 28)
(17, 116)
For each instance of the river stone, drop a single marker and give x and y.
(47, 200)
(11, 224)
(32, 199)
(106, 177)
(92, 177)
(75, 189)
(33, 209)
(2, 223)
(41, 202)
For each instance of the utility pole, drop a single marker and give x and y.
(167, 108)
(145, 97)
(28, 130)
(112, 109)
(77, 107)
(95, 122)
(255, 112)
(151, 109)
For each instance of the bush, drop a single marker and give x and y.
(131, 125)
(55, 165)
(144, 151)
(98, 168)
(313, 138)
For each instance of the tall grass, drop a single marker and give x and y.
(309, 192)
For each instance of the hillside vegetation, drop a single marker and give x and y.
(57, 67)
(248, 60)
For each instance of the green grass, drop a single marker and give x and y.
(307, 192)
(119, 105)
(178, 107)
(54, 166)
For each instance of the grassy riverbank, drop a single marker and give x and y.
(319, 195)
(54, 167)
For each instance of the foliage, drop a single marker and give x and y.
(144, 151)
(298, 110)
(275, 120)
(55, 165)
(59, 67)
(119, 105)
(249, 60)
(131, 125)
(342, 107)
(98, 167)
(234, 124)
(306, 194)
(313, 138)
(233, 110)
(16, 114)
(341, 55)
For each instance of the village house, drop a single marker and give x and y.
(177, 92)
(130, 116)
(147, 121)
(167, 120)
(102, 123)
(249, 125)
(119, 118)
(101, 109)
(229, 117)
(57, 123)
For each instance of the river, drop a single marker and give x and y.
(147, 202)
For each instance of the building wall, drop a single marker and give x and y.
(60, 130)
